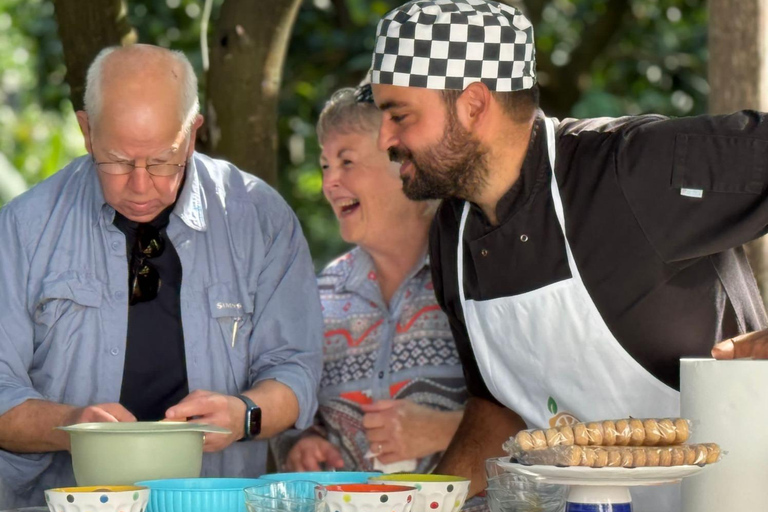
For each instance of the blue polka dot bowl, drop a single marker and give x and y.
(198, 494)
(434, 493)
(108, 498)
(369, 498)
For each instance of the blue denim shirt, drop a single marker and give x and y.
(64, 304)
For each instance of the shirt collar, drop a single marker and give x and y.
(361, 267)
(534, 174)
(190, 205)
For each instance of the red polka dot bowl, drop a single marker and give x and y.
(369, 497)
(434, 493)
(107, 498)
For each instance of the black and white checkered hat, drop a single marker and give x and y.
(449, 44)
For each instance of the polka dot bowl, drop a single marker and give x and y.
(434, 493)
(109, 498)
(369, 498)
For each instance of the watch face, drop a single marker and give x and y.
(254, 421)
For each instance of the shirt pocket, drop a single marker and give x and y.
(63, 305)
(719, 163)
(233, 312)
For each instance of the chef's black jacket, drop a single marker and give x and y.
(665, 270)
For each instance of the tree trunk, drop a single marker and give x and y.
(738, 43)
(84, 29)
(247, 54)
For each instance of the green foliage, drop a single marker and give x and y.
(38, 130)
(656, 62)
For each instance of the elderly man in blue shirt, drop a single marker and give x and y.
(147, 281)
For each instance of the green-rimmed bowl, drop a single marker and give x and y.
(125, 453)
(434, 493)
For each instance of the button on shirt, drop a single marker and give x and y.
(249, 305)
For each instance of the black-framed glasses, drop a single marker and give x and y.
(144, 279)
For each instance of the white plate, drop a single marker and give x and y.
(577, 475)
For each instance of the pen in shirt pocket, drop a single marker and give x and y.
(234, 331)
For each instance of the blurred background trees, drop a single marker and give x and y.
(596, 58)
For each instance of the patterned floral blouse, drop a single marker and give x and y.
(373, 352)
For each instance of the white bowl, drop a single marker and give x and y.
(434, 493)
(109, 498)
(369, 498)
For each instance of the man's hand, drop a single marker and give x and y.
(100, 413)
(311, 451)
(752, 345)
(401, 430)
(212, 409)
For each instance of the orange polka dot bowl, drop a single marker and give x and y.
(108, 498)
(434, 493)
(369, 497)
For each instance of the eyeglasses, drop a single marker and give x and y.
(115, 168)
(144, 280)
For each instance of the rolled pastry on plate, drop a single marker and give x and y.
(668, 432)
(638, 432)
(627, 456)
(639, 456)
(566, 433)
(524, 440)
(665, 457)
(713, 452)
(678, 455)
(614, 458)
(682, 431)
(601, 457)
(588, 456)
(580, 436)
(559, 437)
(539, 439)
(623, 432)
(652, 456)
(609, 433)
(652, 432)
(595, 433)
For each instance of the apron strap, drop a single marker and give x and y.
(558, 204)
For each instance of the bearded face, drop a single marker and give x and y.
(452, 167)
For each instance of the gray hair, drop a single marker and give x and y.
(343, 113)
(190, 104)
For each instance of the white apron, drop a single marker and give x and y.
(548, 355)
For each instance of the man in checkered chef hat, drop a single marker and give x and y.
(570, 298)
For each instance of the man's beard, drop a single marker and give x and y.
(453, 167)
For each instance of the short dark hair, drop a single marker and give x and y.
(518, 105)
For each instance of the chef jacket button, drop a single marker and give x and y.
(381, 375)
(523, 238)
(119, 295)
(115, 245)
(114, 351)
(484, 253)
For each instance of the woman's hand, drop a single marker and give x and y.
(401, 430)
(310, 452)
